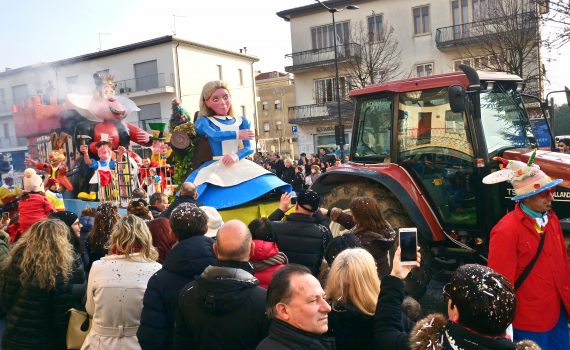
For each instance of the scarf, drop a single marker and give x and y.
(277, 259)
(540, 218)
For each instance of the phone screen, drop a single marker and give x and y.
(293, 197)
(408, 245)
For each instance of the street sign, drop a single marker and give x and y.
(294, 129)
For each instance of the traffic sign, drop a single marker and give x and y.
(294, 128)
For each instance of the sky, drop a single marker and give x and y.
(34, 31)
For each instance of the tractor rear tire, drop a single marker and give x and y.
(417, 281)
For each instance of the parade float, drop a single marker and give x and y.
(94, 125)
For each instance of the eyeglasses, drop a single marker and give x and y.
(549, 193)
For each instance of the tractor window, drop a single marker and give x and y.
(373, 130)
(435, 147)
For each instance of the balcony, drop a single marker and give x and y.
(306, 60)
(8, 143)
(147, 85)
(479, 31)
(318, 113)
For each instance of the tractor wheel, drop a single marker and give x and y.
(392, 210)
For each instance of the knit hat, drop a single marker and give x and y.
(526, 178)
(309, 200)
(68, 217)
(215, 220)
(485, 299)
(32, 181)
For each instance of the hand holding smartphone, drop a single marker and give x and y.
(408, 245)
(293, 197)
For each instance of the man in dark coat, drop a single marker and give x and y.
(224, 308)
(299, 311)
(300, 237)
(187, 259)
(187, 194)
(158, 203)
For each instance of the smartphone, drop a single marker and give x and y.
(293, 195)
(408, 245)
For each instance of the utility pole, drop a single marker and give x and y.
(174, 23)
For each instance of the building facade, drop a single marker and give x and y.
(150, 73)
(433, 37)
(276, 94)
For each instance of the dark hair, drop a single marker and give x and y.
(156, 197)
(188, 220)
(485, 299)
(106, 217)
(89, 211)
(262, 229)
(340, 243)
(139, 193)
(138, 207)
(279, 290)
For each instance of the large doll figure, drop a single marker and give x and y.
(229, 179)
(102, 179)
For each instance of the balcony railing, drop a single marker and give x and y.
(320, 112)
(474, 32)
(146, 83)
(299, 61)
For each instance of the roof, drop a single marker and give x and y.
(434, 81)
(286, 14)
(123, 49)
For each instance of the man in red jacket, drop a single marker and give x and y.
(543, 296)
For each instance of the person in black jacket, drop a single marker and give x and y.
(187, 194)
(297, 306)
(224, 308)
(187, 259)
(300, 237)
(288, 174)
(158, 203)
(35, 288)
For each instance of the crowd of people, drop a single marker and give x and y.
(300, 173)
(176, 276)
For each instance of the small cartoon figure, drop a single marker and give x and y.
(56, 168)
(102, 180)
(53, 194)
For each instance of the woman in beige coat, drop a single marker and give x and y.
(117, 284)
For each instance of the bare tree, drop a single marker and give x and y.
(558, 17)
(509, 40)
(376, 56)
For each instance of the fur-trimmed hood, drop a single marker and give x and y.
(435, 333)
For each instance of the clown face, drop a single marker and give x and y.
(104, 152)
(220, 102)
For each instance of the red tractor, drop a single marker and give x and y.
(422, 146)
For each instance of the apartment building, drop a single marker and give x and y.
(433, 37)
(151, 73)
(276, 94)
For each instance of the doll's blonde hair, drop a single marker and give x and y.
(207, 91)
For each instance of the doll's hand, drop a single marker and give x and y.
(83, 149)
(142, 138)
(30, 161)
(246, 134)
(230, 159)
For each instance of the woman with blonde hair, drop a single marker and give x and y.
(229, 179)
(116, 286)
(352, 289)
(366, 222)
(36, 288)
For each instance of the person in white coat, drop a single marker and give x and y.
(117, 284)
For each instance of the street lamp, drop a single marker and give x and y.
(339, 129)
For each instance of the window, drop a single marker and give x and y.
(374, 27)
(325, 89)
(6, 130)
(72, 83)
(243, 111)
(483, 9)
(3, 104)
(146, 75)
(240, 76)
(278, 125)
(374, 123)
(20, 93)
(454, 122)
(220, 75)
(148, 114)
(277, 104)
(323, 36)
(265, 105)
(421, 19)
(103, 72)
(266, 126)
(424, 70)
(459, 12)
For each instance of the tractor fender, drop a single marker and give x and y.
(398, 181)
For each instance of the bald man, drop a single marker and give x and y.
(224, 308)
(187, 194)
